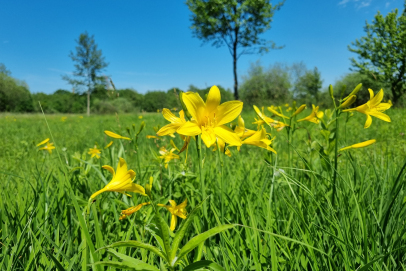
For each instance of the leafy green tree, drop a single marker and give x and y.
(266, 87)
(4, 70)
(89, 62)
(382, 52)
(14, 95)
(308, 86)
(235, 23)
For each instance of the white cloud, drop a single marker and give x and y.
(364, 4)
(343, 2)
(387, 4)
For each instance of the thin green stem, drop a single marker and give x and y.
(202, 184)
(335, 157)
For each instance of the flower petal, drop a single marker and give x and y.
(174, 221)
(371, 94)
(368, 121)
(43, 142)
(121, 169)
(380, 115)
(109, 168)
(168, 129)
(383, 106)
(194, 105)
(377, 99)
(228, 111)
(208, 136)
(213, 99)
(189, 129)
(227, 135)
(169, 116)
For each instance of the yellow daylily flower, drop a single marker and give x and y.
(140, 117)
(176, 211)
(208, 118)
(43, 142)
(114, 135)
(359, 145)
(279, 126)
(48, 147)
(131, 210)
(174, 124)
(63, 119)
(108, 145)
(153, 137)
(94, 152)
(299, 110)
(263, 119)
(167, 155)
(273, 111)
(260, 139)
(241, 131)
(373, 107)
(122, 181)
(315, 116)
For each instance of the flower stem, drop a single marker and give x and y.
(202, 184)
(335, 158)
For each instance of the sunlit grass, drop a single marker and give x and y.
(290, 224)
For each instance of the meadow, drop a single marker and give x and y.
(257, 210)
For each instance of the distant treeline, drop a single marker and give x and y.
(276, 85)
(110, 101)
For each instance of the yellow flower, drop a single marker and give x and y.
(174, 124)
(299, 110)
(360, 145)
(315, 116)
(167, 155)
(63, 119)
(260, 139)
(279, 126)
(114, 135)
(262, 118)
(131, 210)
(48, 147)
(122, 181)
(94, 152)
(241, 131)
(273, 111)
(208, 118)
(80, 117)
(108, 145)
(43, 142)
(373, 107)
(286, 105)
(140, 117)
(151, 136)
(175, 210)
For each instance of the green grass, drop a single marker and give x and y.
(286, 213)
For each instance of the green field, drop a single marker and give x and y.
(281, 203)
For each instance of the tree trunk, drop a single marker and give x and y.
(236, 96)
(88, 102)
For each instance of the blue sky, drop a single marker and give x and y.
(149, 44)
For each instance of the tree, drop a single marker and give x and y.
(266, 87)
(235, 23)
(89, 63)
(308, 85)
(382, 52)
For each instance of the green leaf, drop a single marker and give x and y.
(200, 264)
(56, 262)
(183, 228)
(195, 241)
(137, 244)
(127, 263)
